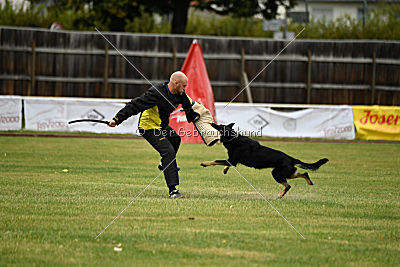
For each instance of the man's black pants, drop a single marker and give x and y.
(166, 141)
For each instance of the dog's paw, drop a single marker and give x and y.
(203, 164)
(308, 180)
(284, 192)
(226, 169)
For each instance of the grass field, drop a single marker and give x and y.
(350, 217)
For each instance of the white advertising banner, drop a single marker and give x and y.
(53, 114)
(333, 122)
(10, 113)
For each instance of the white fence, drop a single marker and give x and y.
(53, 114)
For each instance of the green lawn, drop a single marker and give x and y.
(351, 216)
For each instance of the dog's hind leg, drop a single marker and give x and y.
(280, 173)
(307, 178)
(215, 162)
(305, 175)
(285, 190)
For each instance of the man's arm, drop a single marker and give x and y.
(147, 100)
(187, 102)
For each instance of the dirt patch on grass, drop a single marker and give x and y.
(212, 251)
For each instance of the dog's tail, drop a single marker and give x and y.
(311, 166)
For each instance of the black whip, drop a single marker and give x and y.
(88, 120)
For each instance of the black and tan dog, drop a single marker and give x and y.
(242, 149)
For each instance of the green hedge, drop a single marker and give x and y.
(382, 23)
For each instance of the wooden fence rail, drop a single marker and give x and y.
(300, 73)
(173, 55)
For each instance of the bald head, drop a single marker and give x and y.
(177, 83)
(178, 76)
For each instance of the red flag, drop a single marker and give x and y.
(199, 89)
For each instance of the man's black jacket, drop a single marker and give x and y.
(156, 105)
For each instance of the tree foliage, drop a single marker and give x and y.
(108, 14)
(246, 8)
(114, 15)
(21, 16)
(382, 23)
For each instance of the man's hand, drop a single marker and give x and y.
(112, 123)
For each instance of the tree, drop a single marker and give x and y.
(180, 16)
(108, 14)
(120, 11)
(113, 15)
(238, 8)
(178, 8)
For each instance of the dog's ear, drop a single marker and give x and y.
(215, 126)
(231, 124)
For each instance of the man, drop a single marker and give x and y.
(156, 105)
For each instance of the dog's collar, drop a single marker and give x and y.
(236, 136)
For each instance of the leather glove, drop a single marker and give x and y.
(191, 115)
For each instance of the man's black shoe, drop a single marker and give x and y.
(160, 167)
(175, 194)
